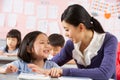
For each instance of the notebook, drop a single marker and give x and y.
(32, 76)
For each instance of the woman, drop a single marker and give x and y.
(93, 49)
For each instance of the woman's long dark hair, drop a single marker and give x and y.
(76, 14)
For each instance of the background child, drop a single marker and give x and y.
(56, 42)
(34, 50)
(13, 40)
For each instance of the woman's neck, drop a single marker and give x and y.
(86, 41)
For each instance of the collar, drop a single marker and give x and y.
(91, 51)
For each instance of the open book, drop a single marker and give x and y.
(32, 76)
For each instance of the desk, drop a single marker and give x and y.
(7, 59)
(14, 77)
(8, 77)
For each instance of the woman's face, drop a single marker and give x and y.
(11, 43)
(72, 32)
(41, 47)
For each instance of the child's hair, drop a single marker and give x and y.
(26, 46)
(14, 33)
(56, 40)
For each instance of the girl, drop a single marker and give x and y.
(13, 40)
(34, 49)
(93, 49)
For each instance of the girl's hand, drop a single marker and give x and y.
(11, 69)
(1, 52)
(56, 72)
(39, 70)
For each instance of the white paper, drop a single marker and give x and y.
(2, 19)
(31, 22)
(30, 76)
(53, 12)
(53, 27)
(99, 6)
(12, 18)
(7, 5)
(29, 8)
(18, 6)
(42, 12)
(43, 26)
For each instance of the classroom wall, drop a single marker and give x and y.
(44, 15)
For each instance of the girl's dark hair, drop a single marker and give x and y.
(76, 14)
(14, 33)
(25, 51)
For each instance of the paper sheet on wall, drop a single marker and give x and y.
(18, 6)
(2, 19)
(29, 8)
(105, 7)
(43, 26)
(31, 22)
(42, 12)
(53, 27)
(7, 5)
(53, 12)
(12, 18)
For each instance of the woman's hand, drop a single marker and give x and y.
(56, 72)
(53, 72)
(11, 69)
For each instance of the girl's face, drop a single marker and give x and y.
(41, 47)
(72, 32)
(11, 43)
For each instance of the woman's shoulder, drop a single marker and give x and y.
(110, 36)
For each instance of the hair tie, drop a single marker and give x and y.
(91, 20)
